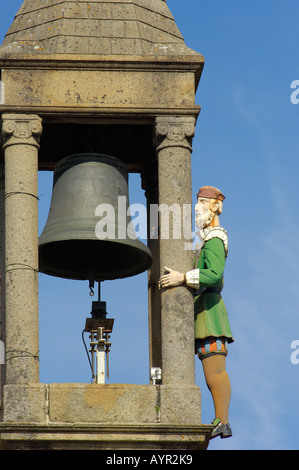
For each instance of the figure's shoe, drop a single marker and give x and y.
(222, 430)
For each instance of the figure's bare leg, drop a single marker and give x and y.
(218, 383)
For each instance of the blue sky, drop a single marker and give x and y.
(247, 144)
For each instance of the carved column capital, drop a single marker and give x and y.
(173, 131)
(21, 129)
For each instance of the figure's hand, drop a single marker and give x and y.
(171, 279)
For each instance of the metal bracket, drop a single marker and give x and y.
(156, 375)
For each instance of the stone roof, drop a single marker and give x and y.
(102, 27)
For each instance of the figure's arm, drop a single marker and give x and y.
(210, 275)
(214, 263)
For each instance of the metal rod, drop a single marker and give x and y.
(99, 291)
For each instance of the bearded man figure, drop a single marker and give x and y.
(211, 324)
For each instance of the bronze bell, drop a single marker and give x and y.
(69, 246)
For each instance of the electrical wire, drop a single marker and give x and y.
(86, 350)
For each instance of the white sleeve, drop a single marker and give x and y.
(192, 278)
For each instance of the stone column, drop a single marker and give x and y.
(2, 277)
(21, 135)
(174, 146)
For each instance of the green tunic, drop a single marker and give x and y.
(210, 314)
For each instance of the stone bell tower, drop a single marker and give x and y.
(113, 77)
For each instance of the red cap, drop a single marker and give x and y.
(210, 193)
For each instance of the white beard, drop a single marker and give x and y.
(204, 220)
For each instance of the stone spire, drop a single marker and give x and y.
(110, 27)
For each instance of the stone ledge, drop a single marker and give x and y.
(80, 436)
(140, 115)
(192, 62)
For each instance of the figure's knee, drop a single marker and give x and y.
(215, 377)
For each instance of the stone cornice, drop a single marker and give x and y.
(144, 114)
(192, 62)
(84, 436)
